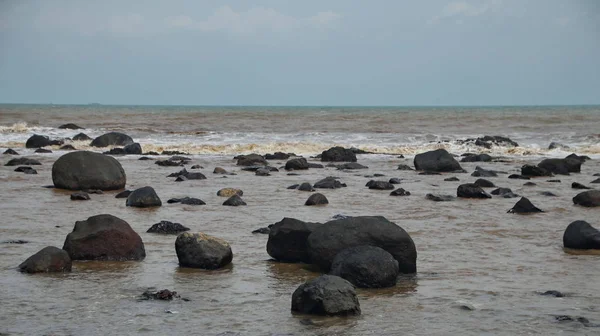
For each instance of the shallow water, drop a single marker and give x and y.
(470, 252)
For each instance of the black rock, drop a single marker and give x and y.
(381, 185)
(471, 190)
(451, 179)
(49, 259)
(317, 199)
(351, 166)
(483, 183)
(366, 267)
(404, 167)
(306, 187)
(524, 205)
(38, 141)
(582, 236)
(287, 240)
(234, 200)
(439, 198)
(329, 183)
(576, 185)
(296, 164)
(518, 177)
(23, 161)
(199, 250)
(326, 295)
(167, 228)
(590, 198)
(143, 198)
(534, 171)
(81, 137)
(400, 192)
(438, 160)
(10, 151)
(123, 194)
(70, 126)
(80, 196)
(88, 170)
(477, 158)
(112, 139)
(338, 154)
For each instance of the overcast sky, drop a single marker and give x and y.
(341, 52)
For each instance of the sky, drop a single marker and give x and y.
(276, 52)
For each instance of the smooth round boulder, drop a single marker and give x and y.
(329, 239)
(144, 197)
(471, 190)
(316, 199)
(581, 235)
(48, 259)
(296, 164)
(590, 198)
(287, 240)
(438, 160)
(366, 267)
(104, 237)
(112, 139)
(88, 170)
(199, 250)
(326, 295)
(338, 154)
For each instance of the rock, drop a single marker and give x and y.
(351, 166)
(326, 241)
(581, 235)
(366, 267)
(228, 192)
(123, 194)
(48, 259)
(439, 198)
(70, 126)
(67, 147)
(88, 170)
(251, 160)
(338, 154)
(404, 167)
(547, 193)
(329, 183)
(167, 228)
(81, 137)
(104, 237)
(400, 192)
(10, 151)
(561, 166)
(524, 206)
(471, 190)
(296, 164)
(534, 171)
(380, 185)
(395, 180)
(477, 158)
(438, 160)
(552, 293)
(277, 156)
(38, 141)
(483, 183)
(144, 197)
(576, 185)
(263, 172)
(326, 295)
(489, 141)
(112, 139)
(199, 250)
(234, 200)
(317, 199)
(518, 177)
(287, 240)
(23, 161)
(305, 186)
(164, 294)
(590, 198)
(26, 169)
(80, 196)
(42, 151)
(451, 179)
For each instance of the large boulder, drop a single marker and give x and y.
(326, 241)
(326, 295)
(561, 166)
(287, 240)
(296, 164)
(37, 141)
(338, 154)
(104, 237)
(199, 250)
(251, 160)
(144, 197)
(366, 267)
(582, 236)
(471, 190)
(590, 198)
(48, 259)
(438, 160)
(112, 139)
(88, 170)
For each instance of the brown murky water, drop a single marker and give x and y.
(470, 252)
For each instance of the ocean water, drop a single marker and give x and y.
(470, 252)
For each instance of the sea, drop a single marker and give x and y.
(481, 270)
